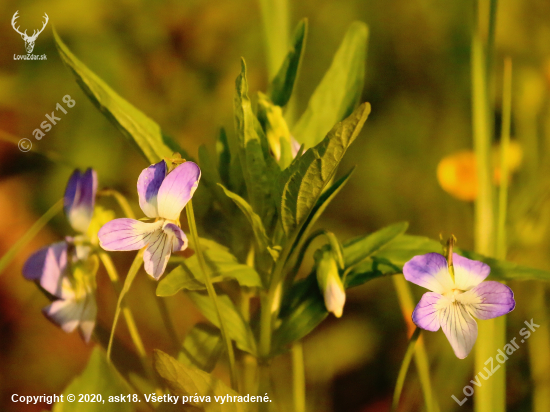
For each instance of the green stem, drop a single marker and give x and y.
(126, 312)
(504, 153)
(491, 32)
(266, 303)
(499, 338)
(484, 216)
(403, 370)
(136, 264)
(266, 315)
(134, 269)
(406, 303)
(137, 387)
(31, 233)
(121, 200)
(491, 334)
(165, 314)
(539, 356)
(212, 293)
(298, 377)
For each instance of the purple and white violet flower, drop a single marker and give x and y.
(162, 197)
(65, 270)
(452, 304)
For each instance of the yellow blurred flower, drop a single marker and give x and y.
(457, 173)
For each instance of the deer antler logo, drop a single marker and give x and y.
(29, 40)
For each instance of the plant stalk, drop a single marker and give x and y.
(298, 377)
(126, 312)
(212, 293)
(491, 396)
(504, 163)
(30, 234)
(403, 370)
(134, 269)
(406, 303)
(167, 320)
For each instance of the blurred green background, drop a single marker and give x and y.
(177, 62)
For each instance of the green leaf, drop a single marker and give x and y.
(320, 207)
(372, 268)
(99, 377)
(391, 259)
(253, 219)
(503, 270)
(301, 312)
(237, 329)
(211, 177)
(253, 152)
(202, 347)
(302, 183)
(225, 159)
(281, 87)
(134, 124)
(358, 249)
(222, 265)
(179, 278)
(185, 380)
(339, 91)
(405, 247)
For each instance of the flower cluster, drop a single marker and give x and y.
(66, 270)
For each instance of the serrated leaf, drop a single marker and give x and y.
(202, 347)
(282, 85)
(302, 183)
(253, 153)
(339, 91)
(237, 329)
(253, 219)
(320, 207)
(187, 381)
(222, 266)
(134, 124)
(99, 377)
